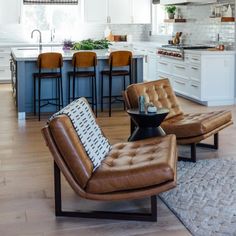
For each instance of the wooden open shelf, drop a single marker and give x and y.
(174, 20)
(227, 19)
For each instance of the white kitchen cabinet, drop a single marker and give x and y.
(96, 11)
(120, 12)
(206, 77)
(141, 11)
(5, 74)
(151, 65)
(10, 11)
(117, 12)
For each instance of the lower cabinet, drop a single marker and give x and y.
(205, 78)
(5, 74)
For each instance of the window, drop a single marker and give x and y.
(50, 2)
(158, 25)
(47, 18)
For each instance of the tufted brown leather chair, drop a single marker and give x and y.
(131, 170)
(188, 128)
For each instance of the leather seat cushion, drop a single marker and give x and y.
(191, 125)
(135, 165)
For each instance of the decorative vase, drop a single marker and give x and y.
(171, 15)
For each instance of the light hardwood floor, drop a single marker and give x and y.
(26, 181)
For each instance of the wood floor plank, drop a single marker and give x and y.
(26, 179)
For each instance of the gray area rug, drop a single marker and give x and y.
(205, 197)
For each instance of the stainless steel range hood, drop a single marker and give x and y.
(175, 2)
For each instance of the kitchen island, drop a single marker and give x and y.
(24, 65)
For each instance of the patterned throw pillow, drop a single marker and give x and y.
(88, 131)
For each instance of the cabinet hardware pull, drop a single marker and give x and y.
(194, 68)
(2, 57)
(195, 86)
(195, 59)
(2, 70)
(180, 67)
(178, 82)
(163, 63)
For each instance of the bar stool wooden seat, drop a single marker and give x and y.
(84, 66)
(117, 59)
(50, 67)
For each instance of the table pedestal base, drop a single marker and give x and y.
(146, 132)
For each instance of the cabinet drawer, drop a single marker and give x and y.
(5, 72)
(180, 71)
(195, 90)
(195, 72)
(5, 50)
(4, 59)
(196, 59)
(163, 67)
(180, 85)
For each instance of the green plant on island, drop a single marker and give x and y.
(90, 44)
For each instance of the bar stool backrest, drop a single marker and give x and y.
(84, 59)
(50, 60)
(120, 58)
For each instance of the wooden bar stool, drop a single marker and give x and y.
(80, 62)
(48, 61)
(117, 59)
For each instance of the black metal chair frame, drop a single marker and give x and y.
(204, 145)
(76, 74)
(59, 91)
(152, 216)
(111, 74)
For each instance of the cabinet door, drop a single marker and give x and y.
(10, 11)
(152, 66)
(141, 11)
(95, 11)
(120, 11)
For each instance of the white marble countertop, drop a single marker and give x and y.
(27, 44)
(31, 53)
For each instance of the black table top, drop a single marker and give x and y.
(158, 112)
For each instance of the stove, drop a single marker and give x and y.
(177, 51)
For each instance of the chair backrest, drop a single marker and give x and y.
(159, 92)
(84, 59)
(120, 58)
(50, 60)
(62, 138)
(78, 138)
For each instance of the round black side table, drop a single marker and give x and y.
(147, 124)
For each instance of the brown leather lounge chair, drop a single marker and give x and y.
(188, 128)
(131, 170)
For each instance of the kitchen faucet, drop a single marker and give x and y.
(40, 37)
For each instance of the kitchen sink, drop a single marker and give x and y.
(23, 49)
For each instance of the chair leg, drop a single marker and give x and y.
(152, 216)
(214, 146)
(205, 145)
(95, 96)
(102, 94)
(34, 95)
(57, 94)
(93, 103)
(39, 97)
(110, 90)
(61, 92)
(124, 87)
(193, 154)
(68, 89)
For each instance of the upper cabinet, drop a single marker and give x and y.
(117, 12)
(141, 11)
(96, 11)
(120, 12)
(10, 11)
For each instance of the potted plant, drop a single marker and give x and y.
(170, 11)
